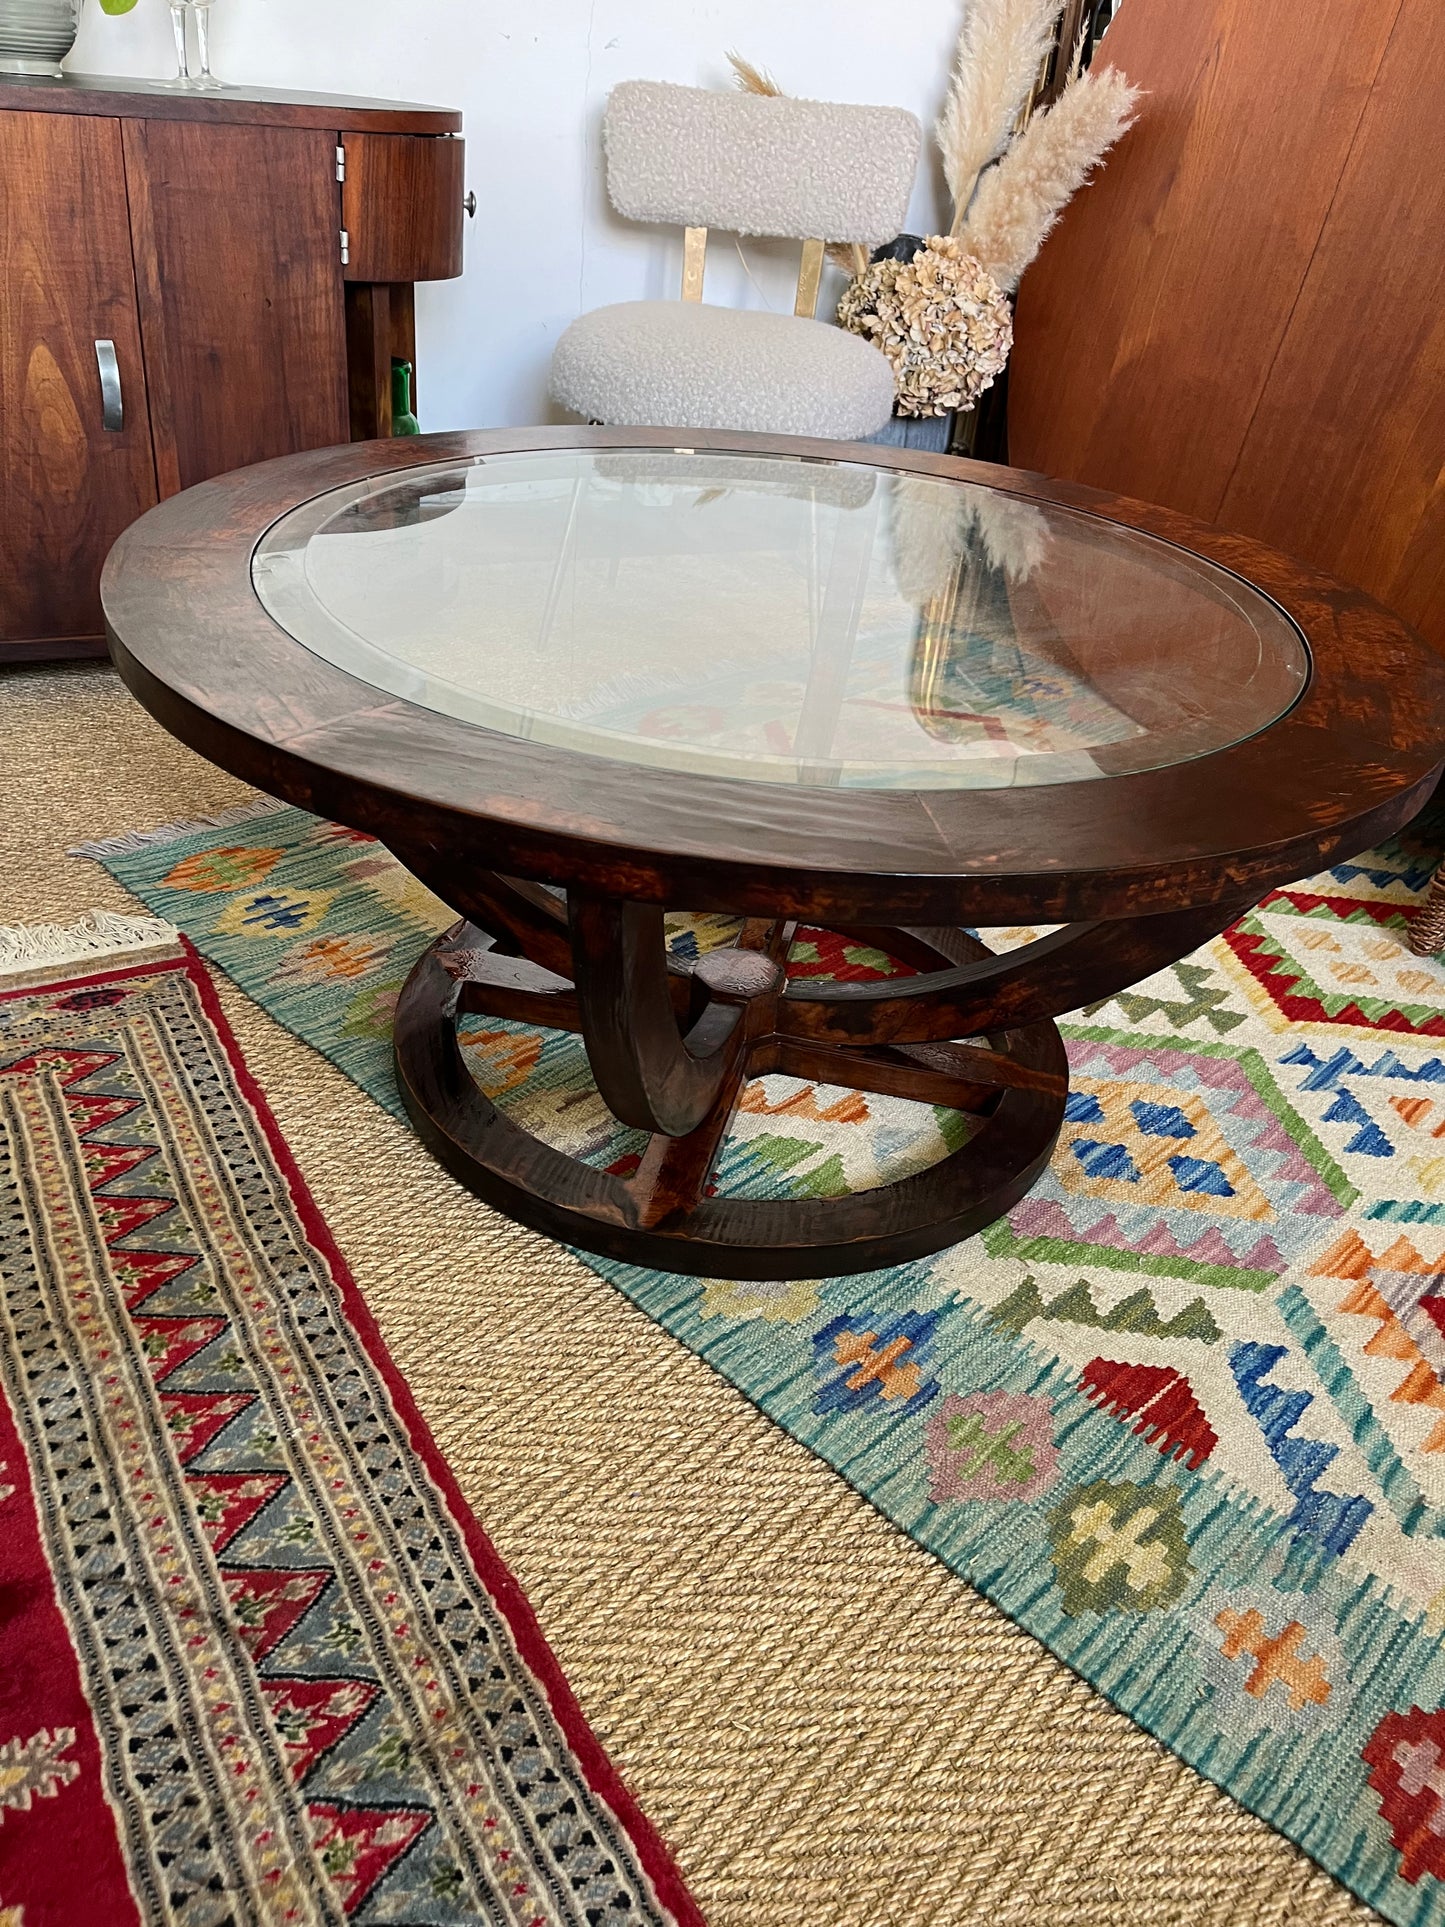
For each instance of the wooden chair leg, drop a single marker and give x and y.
(1427, 926)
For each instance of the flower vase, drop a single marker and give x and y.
(933, 432)
(980, 431)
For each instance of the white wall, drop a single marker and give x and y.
(530, 77)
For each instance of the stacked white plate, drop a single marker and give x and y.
(35, 35)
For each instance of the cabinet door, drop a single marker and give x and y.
(402, 206)
(68, 485)
(238, 251)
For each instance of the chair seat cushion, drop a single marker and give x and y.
(683, 364)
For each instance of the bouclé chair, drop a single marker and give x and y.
(751, 164)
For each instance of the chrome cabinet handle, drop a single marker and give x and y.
(112, 407)
(470, 204)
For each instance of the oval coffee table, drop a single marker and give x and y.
(575, 678)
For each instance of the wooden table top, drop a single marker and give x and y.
(1351, 760)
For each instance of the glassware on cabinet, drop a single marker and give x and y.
(202, 80)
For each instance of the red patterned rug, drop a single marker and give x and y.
(258, 1663)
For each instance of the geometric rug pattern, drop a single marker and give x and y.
(1181, 1413)
(257, 1661)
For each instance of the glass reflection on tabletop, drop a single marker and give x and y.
(780, 619)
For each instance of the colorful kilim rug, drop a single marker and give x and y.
(1181, 1414)
(258, 1664)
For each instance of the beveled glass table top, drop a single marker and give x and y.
(780, 619)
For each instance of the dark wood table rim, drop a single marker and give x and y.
(1349, 763)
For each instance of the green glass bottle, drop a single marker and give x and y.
(403, 422)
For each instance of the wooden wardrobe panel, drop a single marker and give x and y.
(242, 308)
(68, 486)
(1147, 327)
(1344, 462)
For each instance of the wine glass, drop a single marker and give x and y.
(203, 80)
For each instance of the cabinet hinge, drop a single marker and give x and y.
(345, 248)
(340, 162)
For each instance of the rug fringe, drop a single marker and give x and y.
(133, 841)
(40, 948)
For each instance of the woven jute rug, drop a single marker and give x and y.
(1181, 1413)
(260, 1663)
(827, 1725)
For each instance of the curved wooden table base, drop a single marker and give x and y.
(672, 1044)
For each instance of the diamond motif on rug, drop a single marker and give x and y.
(1272, 1659)
(1178, 1163)
(863, 1362)
(1120, 1547)
(1310, 959)
(1406, 1757)
(993, 1445)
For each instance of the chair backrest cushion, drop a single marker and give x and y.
(759, 164)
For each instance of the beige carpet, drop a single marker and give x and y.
(826, 1725)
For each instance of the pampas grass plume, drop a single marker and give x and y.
(1001, 48)
(753, 80)
(1019, 201)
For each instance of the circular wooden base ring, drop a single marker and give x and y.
(743, 1238)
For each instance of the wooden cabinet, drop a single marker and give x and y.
(193, 254)
(68, 484)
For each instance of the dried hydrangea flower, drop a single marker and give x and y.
(941, 319)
